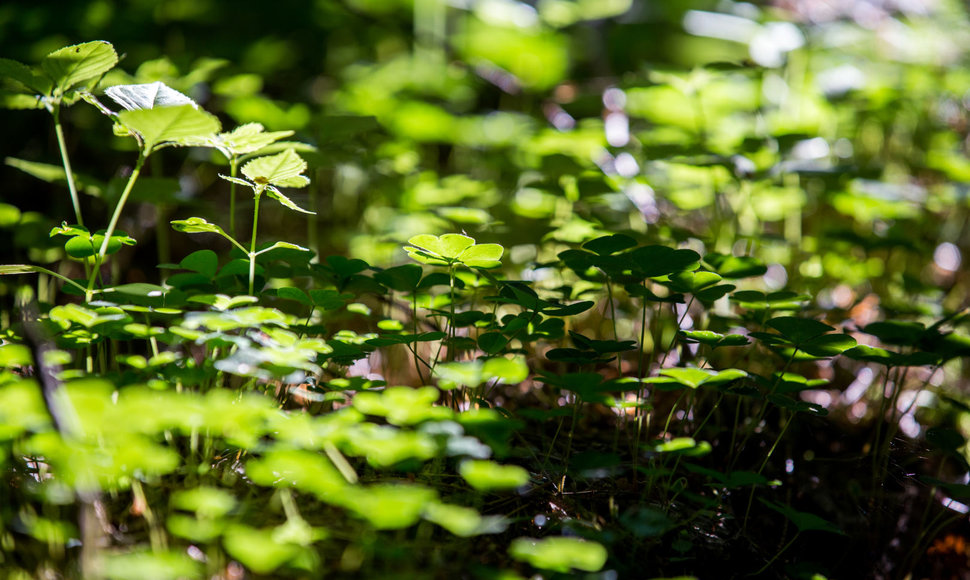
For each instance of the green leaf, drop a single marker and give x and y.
(148, 96)
(150, 565)
(509, 371)
(653, 261)
(197, 225)
(606, 245)
(735, 266)
(244, 139)
(168, 124)
(492, 342)
(390, 506)
(486, 475)
(285, 201)
(798, 330)
(694, 282)
(55, 174)
(560, 554)
(404, 278)
(258, 549)
(72, 65)
(282, 170)
(482, 256)
(205, 262)
(283, 245)
(448, 246)
(23, 74)
(896, 332)
(712, 339)
(462, 521)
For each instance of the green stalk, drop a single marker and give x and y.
(99, 259)
(252, 244)
(68, 173)
(233, 170)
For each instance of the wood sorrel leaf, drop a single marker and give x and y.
(448, 246)
(560, 554)
(482, 256)
(486, 475)
(611, 244)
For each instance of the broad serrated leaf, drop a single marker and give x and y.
(282, 170)
(23, 74)
(73, 65)
(148, 96)
(163, 124)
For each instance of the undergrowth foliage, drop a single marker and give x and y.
(640, 402)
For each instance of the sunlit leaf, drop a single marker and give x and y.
(69, 66)
(168, 124)
(148, 96)
(486, 475)
(283, 170)
(560, 554)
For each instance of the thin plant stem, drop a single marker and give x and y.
(99, 259)
(252, 245)
(68, 173)
(233, 171)
(674, 339)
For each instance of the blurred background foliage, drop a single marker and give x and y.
(825, 138)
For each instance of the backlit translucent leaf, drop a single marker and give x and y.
(148, 96)
(72, 65)
(283, 170)
(448, 246)
(163, 124)
(242, 140)
(559, 554)
(509, 371)
(482, 256)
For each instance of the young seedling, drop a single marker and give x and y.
(264, 175)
